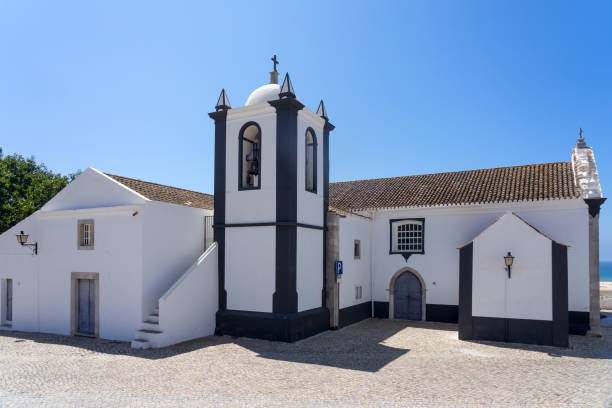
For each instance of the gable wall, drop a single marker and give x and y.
(92, 189)
(528, 292)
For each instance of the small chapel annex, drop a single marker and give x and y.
(509, 253)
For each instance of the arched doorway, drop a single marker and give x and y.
(407, 296)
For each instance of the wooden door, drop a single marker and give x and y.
(9, 300)
(407, 297)
(86, 306)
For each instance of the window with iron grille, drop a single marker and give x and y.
(408, 236)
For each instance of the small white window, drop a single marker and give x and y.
(86, 234)
(357, 249)
(358, 292)
(408, 236)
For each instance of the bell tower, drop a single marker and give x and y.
(271, 199)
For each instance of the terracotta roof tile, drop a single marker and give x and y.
(167, 194)
(517, 183)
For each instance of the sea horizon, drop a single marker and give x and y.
(605, 271)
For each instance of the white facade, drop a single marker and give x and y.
(447, 228)
(141, 248)
(357, 271)
(148, 257)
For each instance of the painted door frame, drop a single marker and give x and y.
(392, 290)
(74, 296)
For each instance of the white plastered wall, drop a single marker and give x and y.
(527, 294)
(309, 205)
(250, 268)
(18, 263)
(173, 238)
(447, 228)
(355, 271)
(309, 279)
(42, 298)
(251, 205)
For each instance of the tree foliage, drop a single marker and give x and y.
(25, 186)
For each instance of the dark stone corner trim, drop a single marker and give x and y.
(594, 205)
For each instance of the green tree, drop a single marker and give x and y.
(25, 186)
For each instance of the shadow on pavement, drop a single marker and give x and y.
(357, 347)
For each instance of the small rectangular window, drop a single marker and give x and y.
(358, 292)
(85, 234)
(357, 249)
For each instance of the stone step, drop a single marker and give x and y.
(148, 331)
(154, 318)
(147, 334)
(141, 344)
(150, 325)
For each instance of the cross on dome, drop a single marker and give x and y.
(275, 61)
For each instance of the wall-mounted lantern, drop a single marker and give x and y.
(23, 239)
(509, 259)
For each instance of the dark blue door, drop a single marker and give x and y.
(407, 297)
(86, 317)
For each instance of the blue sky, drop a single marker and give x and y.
(412, 86)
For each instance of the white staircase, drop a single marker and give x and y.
(149, 330)
(187, 309)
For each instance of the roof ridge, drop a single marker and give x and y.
(158, 184)
(451, 172)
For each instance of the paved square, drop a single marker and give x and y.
(371, 364)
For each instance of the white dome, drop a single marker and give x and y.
(264, 93)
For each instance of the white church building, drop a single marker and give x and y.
(280, 253)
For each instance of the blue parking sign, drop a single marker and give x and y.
(338, 267)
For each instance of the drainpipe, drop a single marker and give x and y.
(371, 228)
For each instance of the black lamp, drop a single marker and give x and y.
(23, 239)
(509, 259)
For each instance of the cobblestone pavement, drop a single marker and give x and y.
(371, 364)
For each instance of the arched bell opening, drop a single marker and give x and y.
(249, 159)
